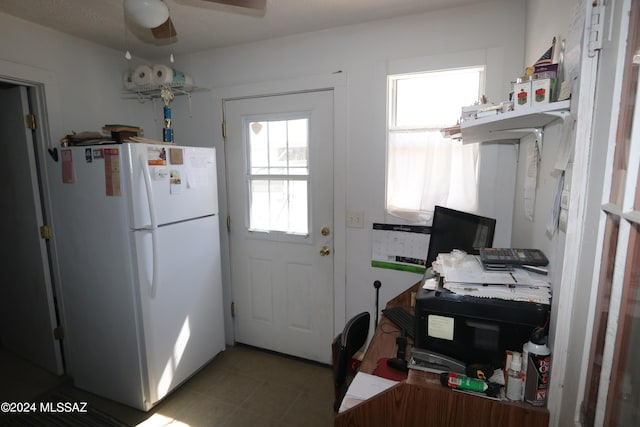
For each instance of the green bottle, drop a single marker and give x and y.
(463, 382)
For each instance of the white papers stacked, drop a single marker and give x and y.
(537, 294)
(470, 278)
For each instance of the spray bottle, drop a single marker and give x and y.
(514, 378)
(536, 368)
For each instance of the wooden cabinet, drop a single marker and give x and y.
(429, 405)
(421, 401)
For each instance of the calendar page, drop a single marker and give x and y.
(400, 247)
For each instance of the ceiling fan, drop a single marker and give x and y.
(154, 14)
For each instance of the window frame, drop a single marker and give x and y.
(420, 216)
(392, 80)
(272, 234)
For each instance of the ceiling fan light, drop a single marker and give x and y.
(146, 13)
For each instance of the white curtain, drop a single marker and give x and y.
(425, 170)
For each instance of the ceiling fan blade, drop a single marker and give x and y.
(165, 30)
(251, 4)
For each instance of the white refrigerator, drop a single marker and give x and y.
(137, 236)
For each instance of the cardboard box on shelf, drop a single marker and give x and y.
(522, 95)
(541, 90)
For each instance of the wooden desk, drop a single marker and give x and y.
(421, 400)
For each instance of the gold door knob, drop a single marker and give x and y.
(325, 231)
(325, 250)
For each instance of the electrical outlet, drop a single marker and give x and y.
(355, 219)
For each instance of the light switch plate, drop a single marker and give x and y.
(355, 219)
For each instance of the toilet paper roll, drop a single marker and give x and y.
(142, 75)
(127, 80)
(162, 74)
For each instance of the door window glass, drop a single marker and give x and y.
(279, 175)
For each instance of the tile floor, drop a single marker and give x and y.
(241, 387)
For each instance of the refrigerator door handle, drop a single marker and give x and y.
(154, 226)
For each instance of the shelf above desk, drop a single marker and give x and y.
(513, 125)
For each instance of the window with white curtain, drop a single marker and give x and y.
(425, 169)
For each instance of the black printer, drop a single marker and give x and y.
(453, 329)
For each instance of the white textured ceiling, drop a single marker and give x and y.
(202, 25)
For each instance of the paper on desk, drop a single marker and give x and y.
(539, 294)
(430, 284)
(470, 270)
(363, 387)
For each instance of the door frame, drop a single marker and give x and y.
(583, 250)
(337, 83)
(43, 92)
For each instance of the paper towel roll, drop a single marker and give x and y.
(127, 80)
(162, 74)
(142, 75)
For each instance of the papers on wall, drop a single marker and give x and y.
(573, 44)
(554, 218)
(470, 278)
(400, 247)
(565, 143)
(531, 180)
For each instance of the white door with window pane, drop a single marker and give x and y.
(280, 186)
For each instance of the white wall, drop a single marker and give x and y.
(86, 79)
(363, 53)
(546, 19)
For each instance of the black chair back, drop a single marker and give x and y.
(352, 338)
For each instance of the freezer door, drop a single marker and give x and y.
(183, 324)
(169, 183)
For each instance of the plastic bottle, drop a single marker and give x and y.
(463, 382)
(514, 378)
(536, 368)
